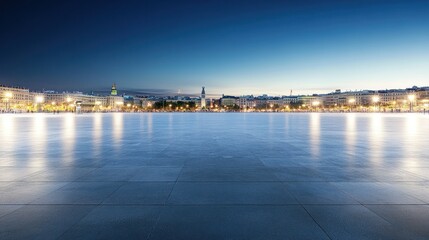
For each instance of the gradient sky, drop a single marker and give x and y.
(231, 47)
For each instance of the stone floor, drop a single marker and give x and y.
(214, 176)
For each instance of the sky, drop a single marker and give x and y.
(230, 47)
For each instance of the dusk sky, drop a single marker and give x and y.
(231, 47)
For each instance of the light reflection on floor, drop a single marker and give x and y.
(195, 175)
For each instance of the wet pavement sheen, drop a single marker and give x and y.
(214, 176)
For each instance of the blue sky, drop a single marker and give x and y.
(231, 47)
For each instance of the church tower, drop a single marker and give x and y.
(114, 92)
(203, 98)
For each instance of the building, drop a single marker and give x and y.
(14, 98)
(313, 100)
(203, 98)
(113, 91)
(115, 102)
(228, 101)
(246, 102)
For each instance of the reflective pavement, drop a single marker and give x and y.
(214, 176)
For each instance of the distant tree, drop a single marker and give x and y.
(160, 104)
(295, 105)
(235, 107)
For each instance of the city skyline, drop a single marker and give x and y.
(167, 93)
(230, 47)
(392, 100)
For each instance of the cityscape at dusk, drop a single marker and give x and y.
(212, 120)
(19, 100)
(232, 47)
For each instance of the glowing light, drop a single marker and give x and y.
(128, 105)
(316, 103)
(411, 98)
(375, 99)
(119, 103)
(352, 100)
(8, 95)
(69, 99)
(314, 128)
(97, 103)
(39, 99)
(53, 103)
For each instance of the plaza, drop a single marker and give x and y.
(214, 176)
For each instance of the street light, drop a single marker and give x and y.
(375, 100)
(411, 98)
(39, 99)
(8, 96)
(352, 102)
(315, 104)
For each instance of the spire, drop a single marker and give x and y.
(114, 92)
(203, 98)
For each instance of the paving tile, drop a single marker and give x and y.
(347, 222)
(422, 172)
(227, 174)
(230, 193)
(80, 193)
(419, 190)
(344, 174)
(376, 193)
(141, 193)
(284, 161)
(166, 161)
(7, 209)
(392, 175)
(154, 174)
(297, 174)
(236, 222)
(414, 218)
(16, 174)
(26, 192)
(318, 193)
(59, 174)
(224, 162)
(42, 222)
(115, 222)
(110, 174)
